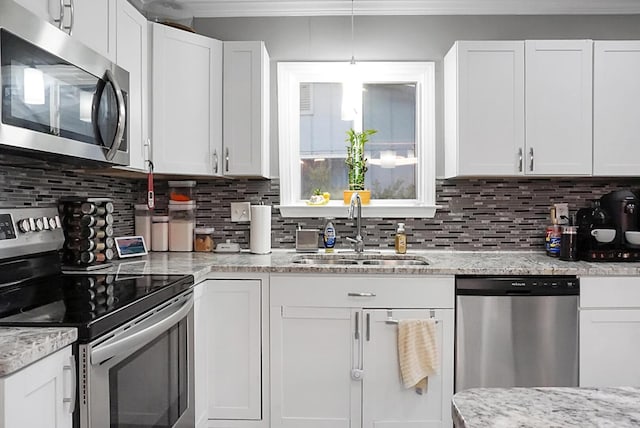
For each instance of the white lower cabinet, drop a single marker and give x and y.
(229, 341)
(40, 395)
(609, 331)
(334, 357)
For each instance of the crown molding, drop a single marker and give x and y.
(256, 8)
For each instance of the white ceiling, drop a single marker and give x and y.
(231, 8)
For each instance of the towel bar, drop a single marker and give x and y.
(390, 319)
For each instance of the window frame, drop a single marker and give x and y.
(291, 74)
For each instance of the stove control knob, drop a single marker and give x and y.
(24, 226)
(52, 224)
(39, 225)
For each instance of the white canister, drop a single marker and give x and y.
(160, 233)
(143, 223)
(182, 222)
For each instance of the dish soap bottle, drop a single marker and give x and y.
(329, 236)
(401, 239)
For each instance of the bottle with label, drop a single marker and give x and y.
(329, 236)
(401, 239)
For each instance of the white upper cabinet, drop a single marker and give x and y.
(518, 108)
(616, 108)
(133, 55)
(187, 102)
(93, 22)
(484, 108)
(246, 109)
(558, 82)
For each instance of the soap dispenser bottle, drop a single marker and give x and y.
(401, 239)
(329, 235)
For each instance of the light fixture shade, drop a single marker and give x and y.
(33, 86)
(351, 94)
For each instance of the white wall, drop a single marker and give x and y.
(419, 38)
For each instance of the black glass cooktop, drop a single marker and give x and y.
(94, 303)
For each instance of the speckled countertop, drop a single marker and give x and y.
(440, 263)
(20, 347)
(547, 408)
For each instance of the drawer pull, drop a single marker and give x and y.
(361, 294)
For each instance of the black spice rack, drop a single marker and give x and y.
(88, 233)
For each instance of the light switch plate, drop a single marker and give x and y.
(240, 211)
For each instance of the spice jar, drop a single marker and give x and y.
(182, 222)
(160, 233)
(203, 239)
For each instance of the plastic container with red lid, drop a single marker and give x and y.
(182, 191)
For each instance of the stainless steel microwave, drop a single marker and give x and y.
(59, 97)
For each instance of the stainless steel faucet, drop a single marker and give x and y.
(357, 241)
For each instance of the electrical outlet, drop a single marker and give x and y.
(240, 211)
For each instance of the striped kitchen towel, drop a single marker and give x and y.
(417, 352)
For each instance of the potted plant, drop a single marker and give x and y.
(357, 164)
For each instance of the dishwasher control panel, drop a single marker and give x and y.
(517, 285)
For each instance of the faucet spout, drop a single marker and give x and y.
(356, 202)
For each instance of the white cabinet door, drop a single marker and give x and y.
(312, 358)
(609, 347)
(484, 108)
(558, 107)
(133, 55)
(246, 109)
(616, 108)
(385, 400)
(200, 333)
(94, 23)
(234, 347)
(35, 396)
(40, 8)
(187, 101)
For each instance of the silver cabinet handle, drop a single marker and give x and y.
(226, 158)
(361, 294)
(531, 155)
(357, 332)
(71, 9)
(60, 20)
(215, 161)
(520, 159)
(368, 326)
(71, 368)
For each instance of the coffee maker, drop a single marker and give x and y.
(608, 231)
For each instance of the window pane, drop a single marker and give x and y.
(391, 152)
(323, 148)
(388, 108)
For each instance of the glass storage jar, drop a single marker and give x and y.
(182, 191)
(203, 239)
(182, 222)
(160, 233)
(143, 223)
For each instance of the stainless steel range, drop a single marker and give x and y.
(135, 333)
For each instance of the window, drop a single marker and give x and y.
(397, 101)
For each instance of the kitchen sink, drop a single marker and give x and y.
(361, 259)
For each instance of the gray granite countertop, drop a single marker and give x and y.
(547, 408)
(20, 347)
(440, 263)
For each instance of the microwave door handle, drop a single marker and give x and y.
(141, 334)
(122, 116)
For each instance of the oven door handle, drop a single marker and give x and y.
(140, 334)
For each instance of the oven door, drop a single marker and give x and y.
(141, 375)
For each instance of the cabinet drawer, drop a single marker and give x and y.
(369, 291)
(610, 292)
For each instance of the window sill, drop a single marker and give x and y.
(340, 210)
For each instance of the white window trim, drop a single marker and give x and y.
(291, 74)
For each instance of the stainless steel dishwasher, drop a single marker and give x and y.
(516, 331)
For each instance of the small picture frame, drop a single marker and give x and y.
(130, 246)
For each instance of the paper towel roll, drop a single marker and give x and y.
(260, 230)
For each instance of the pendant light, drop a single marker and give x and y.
(352, 86)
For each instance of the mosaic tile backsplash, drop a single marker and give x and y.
(486, 214)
